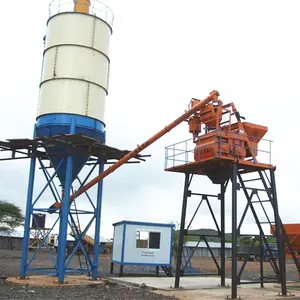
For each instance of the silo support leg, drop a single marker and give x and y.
(63, 226)
(97, 224)
(27, 217)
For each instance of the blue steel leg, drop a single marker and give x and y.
(27, 216)
(64, 213)
(63, 226)
(97, 224)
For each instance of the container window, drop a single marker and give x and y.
(154, 240)
(142, 239)
(148, 240)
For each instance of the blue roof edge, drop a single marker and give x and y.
(143, 223)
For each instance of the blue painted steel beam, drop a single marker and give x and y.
(63, 226)
(87, 177)
(97, 224)
(74, 270)
(52, 271)
(27, 216)
(64, 213)
(78, 242)
(42, 270)
(52, 185)
(82, 212)
(48, 182)
(86, 193)
(41, 244)
(28, 211)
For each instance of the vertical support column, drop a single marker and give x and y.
(157, 270)
(181, 233)
(234, 233)
(121, 270)
(64, 214)
(261, 265)
(222, 199)
(27, 215)
(280, 245)
(97, 223)
(63, 226)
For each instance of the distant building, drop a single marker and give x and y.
(12, 241)
(202, 250)
(103, 242)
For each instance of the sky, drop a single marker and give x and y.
(163, 53)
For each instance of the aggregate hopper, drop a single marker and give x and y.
(293, 233)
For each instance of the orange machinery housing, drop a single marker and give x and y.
(293, 233)
(225, 135)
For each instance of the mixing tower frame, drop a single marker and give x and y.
(221, 171)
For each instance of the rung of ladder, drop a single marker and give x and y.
(251, 188)
(224, 122)
(260, 201)
(248, 180)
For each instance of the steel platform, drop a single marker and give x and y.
(23, 148)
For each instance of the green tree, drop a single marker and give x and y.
(11, 217)
(245, 240)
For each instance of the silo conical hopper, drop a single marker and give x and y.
(57, 151)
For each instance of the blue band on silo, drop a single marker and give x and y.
(53, 124)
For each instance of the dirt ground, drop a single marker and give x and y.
(252, 269)
(10, 266)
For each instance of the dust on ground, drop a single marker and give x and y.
(10, 266)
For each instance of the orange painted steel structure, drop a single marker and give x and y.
(226, 150)
(293, 232)
(196, 108)
(223, 142)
